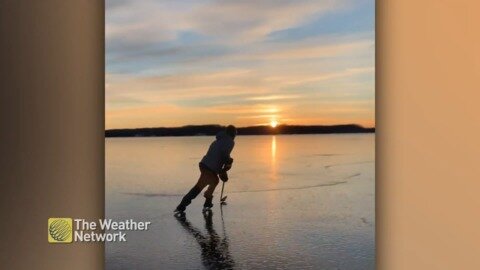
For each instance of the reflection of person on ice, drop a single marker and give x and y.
(214, 164)
(215, 249)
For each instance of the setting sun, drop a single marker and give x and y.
(273, 123)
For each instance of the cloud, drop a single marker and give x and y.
(273, 97)
(249, 20)
(154, 29)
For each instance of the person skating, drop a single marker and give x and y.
(213, 165)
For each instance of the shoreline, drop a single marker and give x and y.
(211, 130)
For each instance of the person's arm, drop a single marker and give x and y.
(227, 159)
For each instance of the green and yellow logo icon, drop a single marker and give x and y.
(60, 230)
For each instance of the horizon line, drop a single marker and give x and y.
(259, 125)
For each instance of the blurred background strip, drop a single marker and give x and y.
(52, 129)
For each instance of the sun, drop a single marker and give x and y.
(273, 124)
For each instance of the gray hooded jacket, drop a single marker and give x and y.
(219, 152)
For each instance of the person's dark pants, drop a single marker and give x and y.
(207, 178)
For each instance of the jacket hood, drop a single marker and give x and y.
(222, 135)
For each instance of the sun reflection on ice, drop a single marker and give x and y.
(273, 147)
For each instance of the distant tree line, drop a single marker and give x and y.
(209, 130)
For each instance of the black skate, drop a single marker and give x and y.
(179, 211)
(207, 206)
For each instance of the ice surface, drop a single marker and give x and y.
(294, 202)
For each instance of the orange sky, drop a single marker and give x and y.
(305, 62)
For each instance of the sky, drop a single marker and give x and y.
(242, 62)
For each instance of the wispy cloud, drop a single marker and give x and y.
(273, 97)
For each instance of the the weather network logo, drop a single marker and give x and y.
(60, 230)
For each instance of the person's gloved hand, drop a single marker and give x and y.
(228, 165)
(223, 176)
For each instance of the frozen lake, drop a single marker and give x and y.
(294, 202)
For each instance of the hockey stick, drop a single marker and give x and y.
(223, 199)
